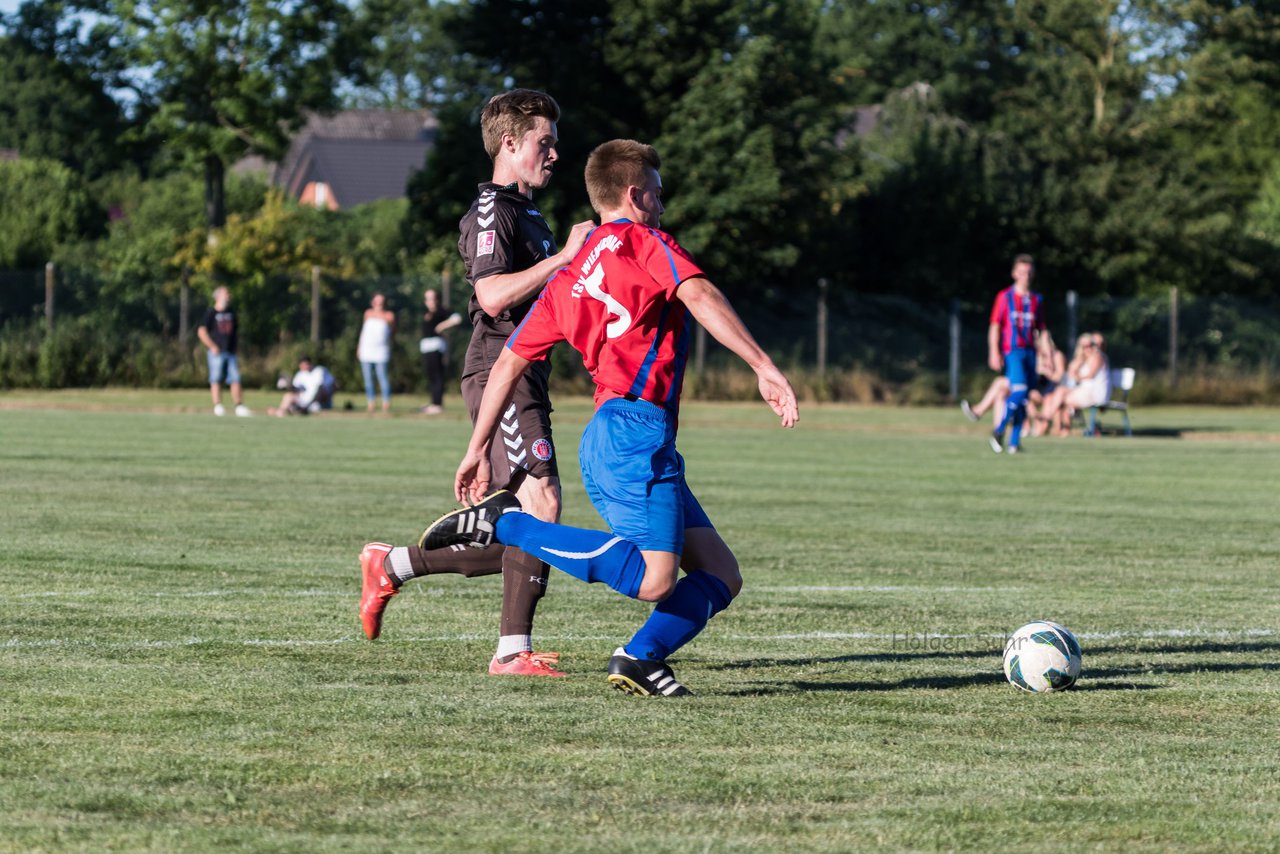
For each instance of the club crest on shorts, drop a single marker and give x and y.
(542, 449)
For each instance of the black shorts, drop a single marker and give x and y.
(523, 442)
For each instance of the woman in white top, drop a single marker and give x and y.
(374, 349)
(1093, 381)
(1087, 383)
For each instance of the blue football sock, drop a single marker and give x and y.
(1017, 408)
(586, 555)
(676, 620)
(1019, 418)
(1006, 418)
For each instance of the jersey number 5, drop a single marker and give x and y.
(623, 317)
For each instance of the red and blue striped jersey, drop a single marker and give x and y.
(616, 304)
(1018, 316)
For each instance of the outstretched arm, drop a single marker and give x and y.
(474, 473)
(711, 308)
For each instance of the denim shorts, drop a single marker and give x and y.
(223, 368)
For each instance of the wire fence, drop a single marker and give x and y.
(813, 329)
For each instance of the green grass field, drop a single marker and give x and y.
(183, 669)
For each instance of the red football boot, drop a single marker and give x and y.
(377, 588)
(524, 664)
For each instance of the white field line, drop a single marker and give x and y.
(454, 590)
(913, 639)
(286, 593)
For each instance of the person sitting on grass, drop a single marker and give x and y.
(310, 390)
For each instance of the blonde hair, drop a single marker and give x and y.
(514, 113)
(615, 165)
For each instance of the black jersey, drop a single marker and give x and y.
(503, 232)
(222, 328)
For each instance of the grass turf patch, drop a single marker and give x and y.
(183, 667)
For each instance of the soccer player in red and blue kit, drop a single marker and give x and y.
(1017, 320)
(622, 303)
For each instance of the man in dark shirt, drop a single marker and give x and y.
(219, 333)
(509, 253)
(436, 319)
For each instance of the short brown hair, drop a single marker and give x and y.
(514, 113)
(1024, 258)
(615, 165)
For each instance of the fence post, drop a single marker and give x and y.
(184, 308)
(823, 284)
(955, 348)
(315, 305)
(446, 285)
(1173, 336)
(1072, 302)
(48, 296)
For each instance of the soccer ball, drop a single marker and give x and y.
(1042, 657)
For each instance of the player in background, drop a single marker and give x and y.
(1017, 320)
(622, 304)
(509, 253)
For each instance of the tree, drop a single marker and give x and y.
(223, 79)
(405, 61)
(965, 50)
(750, 151)
(269, 256)
(53, 93)
(43, 205)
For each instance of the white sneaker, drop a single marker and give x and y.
(243, 411)
(219, 410)
(968, 410)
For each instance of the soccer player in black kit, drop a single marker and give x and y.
(509, 253)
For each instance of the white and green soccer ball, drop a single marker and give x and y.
(1042, 657)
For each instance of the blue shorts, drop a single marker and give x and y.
(223, 368)
(635, 477)
(1020, 368)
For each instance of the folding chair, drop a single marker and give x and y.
(1121, 385)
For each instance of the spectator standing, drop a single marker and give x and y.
(219, 333)
(374, 350)
(436, 319)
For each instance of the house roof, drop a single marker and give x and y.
(362, 155)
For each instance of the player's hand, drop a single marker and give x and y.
(995, 362)
(576, 240)
(777, 392)
(471, 483)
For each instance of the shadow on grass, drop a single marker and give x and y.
(807, 686)
(1119, 674)
(870, 657)
(1190, 647)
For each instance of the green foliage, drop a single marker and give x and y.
(893, 147)
(52, 109)
(84, 352)
(267, 260)
(43, 205)
(401, 55)
(752, 146)
(225, 79)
